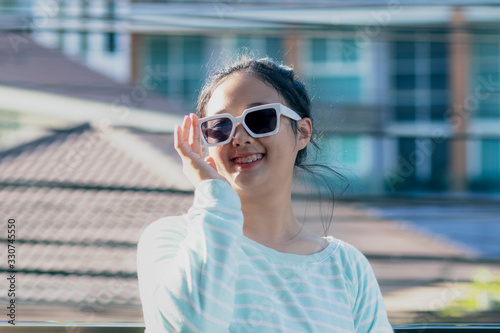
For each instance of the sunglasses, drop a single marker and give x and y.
(259, 121)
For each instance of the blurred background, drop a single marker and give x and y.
(406, 103)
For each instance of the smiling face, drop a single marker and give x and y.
(253, 165)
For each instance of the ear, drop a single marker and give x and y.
(305, 131)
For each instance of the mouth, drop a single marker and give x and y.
(248, 159)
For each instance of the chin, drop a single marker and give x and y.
(242, 183)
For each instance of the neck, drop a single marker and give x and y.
(269, 217)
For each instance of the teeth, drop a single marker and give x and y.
(248, 159)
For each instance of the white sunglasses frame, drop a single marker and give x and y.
(280, 110)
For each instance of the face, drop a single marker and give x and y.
(254, 165)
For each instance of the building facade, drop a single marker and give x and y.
(406, 98)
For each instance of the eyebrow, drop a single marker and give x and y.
(251, 105)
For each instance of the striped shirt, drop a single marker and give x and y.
(199, 273)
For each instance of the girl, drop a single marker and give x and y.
(239, 260)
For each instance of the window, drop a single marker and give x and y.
(350, 149)
(338, 69)
(159, 56)
(485, 72)
(405, 81)
(490, 158)
(349, 50)
(484, 108)
(325, 50)
(266, 46)
(342, 151)
(110, 42)
(319, 50)
(342, 89)
(274, 48)
(405, 112)
(183, 58)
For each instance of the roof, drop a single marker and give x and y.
(43, 82)
(83, 155)
(27, 65)
(80, 201)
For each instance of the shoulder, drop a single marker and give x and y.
(166, 227)
(352, 260)
(345, 250)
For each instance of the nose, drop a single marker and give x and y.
(241, 136)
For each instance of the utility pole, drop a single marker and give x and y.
(459, 68)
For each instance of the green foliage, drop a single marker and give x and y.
(480, 295)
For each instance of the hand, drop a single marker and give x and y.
(188, 145)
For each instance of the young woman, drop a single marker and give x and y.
(239, 260)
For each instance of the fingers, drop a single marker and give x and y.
(187, 136)
(186, 123)
(177, 137)
(179, 143)
(195, 134)
(187, 143)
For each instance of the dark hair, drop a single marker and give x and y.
(283, 79)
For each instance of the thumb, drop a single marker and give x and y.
(210, 160)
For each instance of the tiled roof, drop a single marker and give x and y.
(72, 241)
(77, 226)
(81, 197)
(86, 156)
(25, 64)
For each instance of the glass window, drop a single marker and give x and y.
(158, 56)
(404, 50)
(191, 87)
(488, 108)
(485, 49)
(405, 81)
(158, 47)
(438, 81)
(438, 111)
(490, 156)
(439, 66)
(110, 42)
(405, 112)
(274, 48)
(406, 162)
(340, 89)
(350, 149)
(193, 50)
(243, 41)
(319, 49)
(439, 165)
(438, 50)
(349, 50)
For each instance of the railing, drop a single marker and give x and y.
(38, 327)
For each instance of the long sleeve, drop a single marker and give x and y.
(187, 265)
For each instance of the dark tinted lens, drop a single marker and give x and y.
(216, 130)
(261, 121)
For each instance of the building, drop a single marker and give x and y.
(406, 97)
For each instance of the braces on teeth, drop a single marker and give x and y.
(248, 159)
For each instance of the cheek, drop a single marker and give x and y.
(217, 153)
(284, 142)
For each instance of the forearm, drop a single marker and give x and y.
(187, 274)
